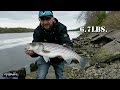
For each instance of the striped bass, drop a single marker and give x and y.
(52, 50)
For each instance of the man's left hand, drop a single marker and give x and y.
(64, 45)
(59, 57)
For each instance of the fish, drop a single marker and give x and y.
(52, 50)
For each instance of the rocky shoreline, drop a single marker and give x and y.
(106, 71)
(99, 71)
(103, 51)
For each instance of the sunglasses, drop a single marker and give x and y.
(45, 18)
(44, 13)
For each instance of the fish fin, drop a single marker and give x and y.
(71, 60)
(84, 63)
(46, 58)
(45, 51)
(68, 61)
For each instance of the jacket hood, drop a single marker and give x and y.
(56, 20)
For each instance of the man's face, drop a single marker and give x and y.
(46, 22)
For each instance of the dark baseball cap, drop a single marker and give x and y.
(45, 13)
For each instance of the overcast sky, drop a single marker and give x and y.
(29, 19)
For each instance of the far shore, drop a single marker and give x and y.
(22, 30)
(15, 30)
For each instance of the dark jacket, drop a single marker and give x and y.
(58, 34)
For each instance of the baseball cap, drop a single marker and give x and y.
(45, 13)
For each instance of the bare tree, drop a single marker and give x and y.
(113, 20)
(92, 17)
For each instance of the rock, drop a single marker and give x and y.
(101, 65)
(107, 53)
(22, 73)
(115, 34)
(33, 67)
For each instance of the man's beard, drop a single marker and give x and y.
(50, 27)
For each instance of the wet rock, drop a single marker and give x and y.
(101, 65)
(22, 73)
(33, 67)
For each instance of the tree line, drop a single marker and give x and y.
(15, 30)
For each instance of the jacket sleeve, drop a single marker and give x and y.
(36, 36)
(64, 37)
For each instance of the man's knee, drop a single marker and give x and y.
(42, 71)
(41, 75)
(59, 70)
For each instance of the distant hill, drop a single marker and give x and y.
(20, 30)
(78, 29)
(15, 30)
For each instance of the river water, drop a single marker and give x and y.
(12, 55)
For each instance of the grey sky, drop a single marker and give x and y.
(29, 19)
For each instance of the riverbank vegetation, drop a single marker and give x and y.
(109, 19)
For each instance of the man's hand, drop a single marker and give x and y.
(64, 45)
(29, 52)
(59, 57)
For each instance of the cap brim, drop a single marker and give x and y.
(46, 16)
